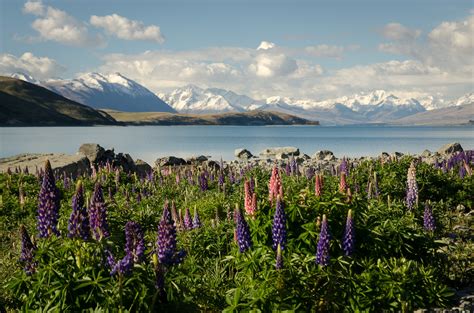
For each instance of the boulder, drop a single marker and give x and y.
(170, 160)
(384, 155)
(273, 152)
(197, 160)
(60, 163)
(242, 154)
(426, 153)
(450, 148)
(322, 154)
(142, 168)
(213, 164)
(92, 151)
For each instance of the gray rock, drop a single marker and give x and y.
(141, 167)
(92, 151)
(273, 152)
(60, 163)
(170, 160)
(330, 157)
(321, 155)
(242, 154)
(426, 153)
(384, 155)
(450, 148)
(213, 164)
(197, 160)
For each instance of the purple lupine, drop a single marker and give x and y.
(188, 221)
(203, 183)
(78, 226)
(348, 242)
(48, 206)
(196, 219)
(343, 167)
(279, 258)
(412, 187)
(243, 233)
(27, 256)
(322, 253)
(166, 240)
(98, 214)
(121, 267)
(135, 243)
(428, 218)
(279, 226)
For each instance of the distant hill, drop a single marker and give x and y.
(454, 115)
(26, 104)
(252, 118)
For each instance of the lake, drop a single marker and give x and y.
(151, 142)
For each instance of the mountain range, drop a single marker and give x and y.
(116, 92)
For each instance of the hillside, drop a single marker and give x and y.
(454, 115)
(26, 104)
(252, 118)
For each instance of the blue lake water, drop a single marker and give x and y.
(151, 142)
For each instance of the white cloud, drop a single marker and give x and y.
(56, 25)
(123, 28)
(38, 67)
(396, 31)
(270, 65)
(326, 51)
(265, 45)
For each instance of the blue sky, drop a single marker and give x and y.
(317, 45)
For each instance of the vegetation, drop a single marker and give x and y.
(399, 249)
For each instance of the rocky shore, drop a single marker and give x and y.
(90, 155)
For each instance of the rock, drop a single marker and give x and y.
(450, 148)
(281, 156)
(61, 163)
(92, 151)
(384, 155)
(170, 160)
(142, 168)
(242, 154)
(426, 153)
(273, 152)
(330, 157)
(213, 164)
(197, 160)
(322, 154)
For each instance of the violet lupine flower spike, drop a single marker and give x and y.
(322, 253)
(348, 242)
(279, 258)
(78, 226)
(412, 187)
(48, 206)
(428, 218)
(279, 226)
(196, 219)
(98, 214)
(27, 252)
(188, 221)
(166, 241)
(135, 243)
(243, 233)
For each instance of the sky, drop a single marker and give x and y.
(299, 49)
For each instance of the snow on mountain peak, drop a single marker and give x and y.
(466, 99)
(26, 77)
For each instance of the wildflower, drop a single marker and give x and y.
(188, 222)
(279, 226)
(412, 187)
(166, 240)
(135, 243)
(428, 218)
(343, 167)
(342, 183)
(322, 254)
(27, 252)
(250, 198)
(349, 235)
(98, 214)
(274, 184)
(49, 202)
(196, 219)
(243, 233)
(318, 185)
(78, 226)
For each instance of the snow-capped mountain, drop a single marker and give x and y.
(104, 91)
(466, 99)
(192, 99)
(25, 77)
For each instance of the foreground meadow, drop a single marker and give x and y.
(387, 234)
